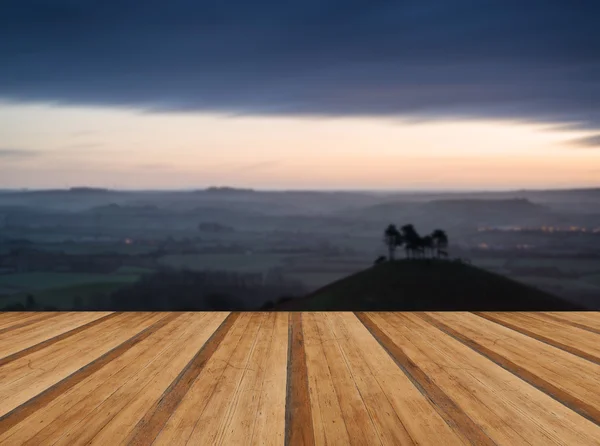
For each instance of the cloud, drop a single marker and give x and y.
(8, 153)
(588, 141)
(534, 60)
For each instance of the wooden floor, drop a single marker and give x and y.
(300, 378)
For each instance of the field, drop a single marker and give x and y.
(60, 289)
(573, 266)
(578, 279)
(97, 248)
(40, 281)
(295, 379)
(312, 271)
(224, 262)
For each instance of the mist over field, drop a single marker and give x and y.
(93, 248)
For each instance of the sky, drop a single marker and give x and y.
(318, 94)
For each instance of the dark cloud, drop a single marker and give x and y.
(588, 141)
(525, 59)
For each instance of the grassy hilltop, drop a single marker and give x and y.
(426, 284)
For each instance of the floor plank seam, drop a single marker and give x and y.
(48, 342)
(546, 340)
(569, 322)
(42, 399)
(473, 434)
(299, 429)
(26, 323)
(149, 427)
(580, 407)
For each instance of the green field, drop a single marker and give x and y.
(42, 280)
(60, 289)
(64, 297)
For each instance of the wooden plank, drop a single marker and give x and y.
(386, 378)
(40, 330)
(43, 399)
(37, 362)
(269, 424)
(592, 324)
(55, 339)
(244, 406)
(215, 419)
(488, 393)
(39, 371)
(64, 413)
(116, 415)
(590, 319)
(571, 339)
(9, 320)
(327, 416)
(299, 424)
(214, 385)
(357, 416)
(400, 413)
(56, 354)
(540, 365)
(153, 422)
(449, 410)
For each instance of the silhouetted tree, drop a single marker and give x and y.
(391, 238)
(411, 239)
(440, 239)
(427, 243)
(414, 244)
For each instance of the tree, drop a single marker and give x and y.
(391, 238)
(411, 239)
(428, 245)
(440, 239)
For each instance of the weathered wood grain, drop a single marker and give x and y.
(538, 364)
(300, 378)
(299, 421)
(448, 409)
(568, 338)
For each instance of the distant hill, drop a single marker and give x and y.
(424, 285)
(227, 190)
(458, 212)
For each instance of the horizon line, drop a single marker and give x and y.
(284, 190)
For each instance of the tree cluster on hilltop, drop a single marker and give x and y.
(415, 245)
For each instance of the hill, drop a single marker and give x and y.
(458, 212)
(424, 285)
